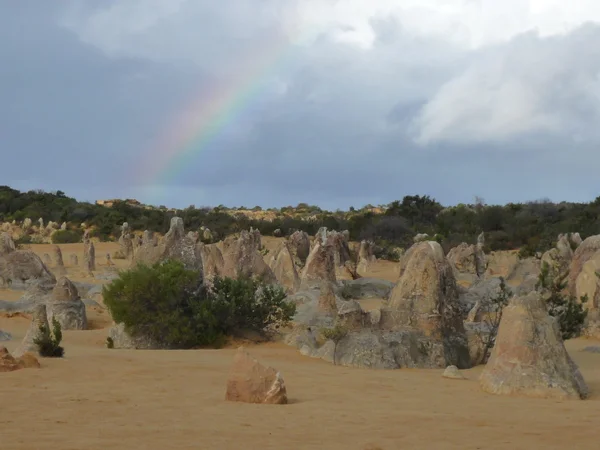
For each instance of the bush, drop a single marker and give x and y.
(66, 237)
(49, 343)
(110, 343)
(169, 304)
(569, 312)
(335, 334)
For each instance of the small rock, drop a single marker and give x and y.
(251, 382)
(453, 373)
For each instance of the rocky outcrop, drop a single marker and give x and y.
(212, 260)
(7, 245)
(421, 326)
(529, 357)
(59, 264)
(299, 247)
(365, 256)
(23, 265)
(66, 306)
(320, 264)
(251, 382)
(126, 242)
(284, 268)
(242, 258)
(123, 340)
(582, 254)
(73, 260)
(89, 253)
(468, 259)
(39, 319)
(426, 299)
(453, 373)
(9, 363)
(175, 245)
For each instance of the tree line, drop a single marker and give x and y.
(531, 226)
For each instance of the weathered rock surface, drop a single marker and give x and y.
(66, 306)
(126, 242)
(284, 268)
(242, 258)
(4, 336)
(453, 373)
(39, 318)
(364, 288)
(468, 259)
(251, 382)
(9, 363)
(529, 357)
(582, 254)
(365, 256)
(23, 265)
(212, 260)
(175, 245)
(320, 264)
(299, 246)
(421, 327)
(7, 245)
(89, 254)
(123, 340)
(59, 264)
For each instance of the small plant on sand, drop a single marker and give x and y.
(335, 334)
(48, 343)
(110, 343)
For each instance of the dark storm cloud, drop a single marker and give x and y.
(365, 112)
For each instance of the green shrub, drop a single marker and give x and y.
(22, 241)
(66, 237)
(49, 343)
(335, 334)
(110, 343)
(569, 312)
(169, 304)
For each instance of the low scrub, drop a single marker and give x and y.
(48, 343)
(66, 237)
(170, 305)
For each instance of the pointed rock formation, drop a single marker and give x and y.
(365, 256)
(242, 258)
(7, 245)
(58, 260)
(320, 264)
(251, 382)
(529, 357)
(39, 318)
(425, 299)
(125, 241)
(175, 245)
(66, 306)
(212, 260)
(299, 247)
(284, 269)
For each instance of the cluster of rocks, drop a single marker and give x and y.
(44, 295)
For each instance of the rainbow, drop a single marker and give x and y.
(215, 110)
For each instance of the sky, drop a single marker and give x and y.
(277, 102)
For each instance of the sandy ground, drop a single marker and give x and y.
(97, 398)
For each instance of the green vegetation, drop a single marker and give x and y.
(335, 334)
(67, 236)
(169, 304)
(531, 227)
(49, 343)
(569, 312)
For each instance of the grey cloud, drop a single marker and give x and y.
(90, 93)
